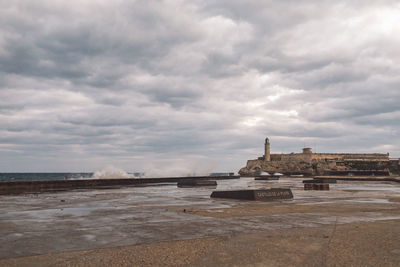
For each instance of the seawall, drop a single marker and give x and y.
(22, 187)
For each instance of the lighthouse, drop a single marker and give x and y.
(267, 154)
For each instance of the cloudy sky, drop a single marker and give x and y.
(179, 86)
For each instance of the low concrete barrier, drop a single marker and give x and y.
(197, 183)
(258, 194)
(62, 185)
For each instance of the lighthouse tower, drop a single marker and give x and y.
(267, 154)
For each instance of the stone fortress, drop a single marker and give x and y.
(309, 163)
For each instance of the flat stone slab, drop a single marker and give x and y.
(258, 194)
(196, 183)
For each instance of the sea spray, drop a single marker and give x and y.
(111, 173)
(180, 168)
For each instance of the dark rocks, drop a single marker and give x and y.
(259, 194)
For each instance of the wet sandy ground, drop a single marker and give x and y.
(354, 244)
(181, 218)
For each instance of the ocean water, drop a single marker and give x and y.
(103, 174)
(23, 176)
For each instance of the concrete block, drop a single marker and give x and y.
(308, 186)
(314, 186)
(258, 194)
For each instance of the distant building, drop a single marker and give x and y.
(310, 163)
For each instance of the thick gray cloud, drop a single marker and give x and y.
(181, 86)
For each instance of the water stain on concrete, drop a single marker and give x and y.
(42, 223)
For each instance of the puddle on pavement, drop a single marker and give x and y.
(130, 215)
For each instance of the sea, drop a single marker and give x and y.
(38, 176)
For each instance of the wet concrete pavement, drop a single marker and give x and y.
(84, 219)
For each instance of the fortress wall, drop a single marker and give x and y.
(366, 156)
(343, 156)
(276, 157)
(297, 157)
(392, 166)
(291, 157)
(323, 156)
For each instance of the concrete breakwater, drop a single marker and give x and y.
(7, 188)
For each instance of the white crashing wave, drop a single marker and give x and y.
(111, 173)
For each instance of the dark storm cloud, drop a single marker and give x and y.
(62, 41)
(149, 84)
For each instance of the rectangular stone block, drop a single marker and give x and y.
(308, 186)
(321, 186)
(314, 186)
(258, 194)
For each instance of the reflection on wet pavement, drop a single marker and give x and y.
(84, 219)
